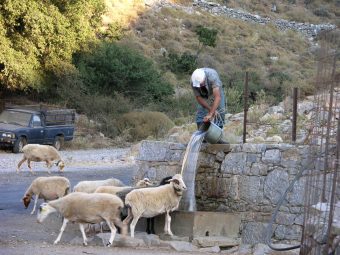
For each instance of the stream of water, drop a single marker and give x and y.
(189, 168)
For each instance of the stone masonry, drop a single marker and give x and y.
(245, 179)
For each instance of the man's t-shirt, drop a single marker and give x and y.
(212, 81)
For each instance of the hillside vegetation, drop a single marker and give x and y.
(110, 58)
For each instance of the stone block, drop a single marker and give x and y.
(254, 232)
(200, 223)
(219, 241)
(272, 156)
(275, 185)
(251, 188)
(234, 163)
(215, 148)
(153, 151)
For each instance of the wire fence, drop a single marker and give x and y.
(321, 225)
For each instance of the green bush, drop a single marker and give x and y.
(110, 68)
(185, 63)
(322, 12)
(234, 99)
(206, 36)
(142, 125)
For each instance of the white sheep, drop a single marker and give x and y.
(85, 208)
(114, 189)
(38, 153)
(149, 202)
(47, 188)
(124, 189)
(91, 186)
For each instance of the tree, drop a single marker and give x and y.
(36, 36)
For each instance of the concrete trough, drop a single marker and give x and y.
(201, 223)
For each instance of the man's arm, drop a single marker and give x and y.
(202, 102)
(216, 103)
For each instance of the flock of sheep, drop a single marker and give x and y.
(99, 201)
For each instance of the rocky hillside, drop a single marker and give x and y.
(278, 52)
(268, 124)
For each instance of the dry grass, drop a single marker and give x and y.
(137, 126)
(124, 12)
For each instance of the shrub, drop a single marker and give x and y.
(185, 63)
(206, 36)
(322, 12)
(234, 99)
(142, 125)
(110, 68)
(115, 31)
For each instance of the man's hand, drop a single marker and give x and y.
(208, 117)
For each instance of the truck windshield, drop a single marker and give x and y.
(15, 117)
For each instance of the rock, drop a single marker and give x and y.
(211, 241)
(274, 139)
(166, 237)
(240, 250)
(261, 249)
(124, 241)
(149, 240)
(214, 249)
(182, 246)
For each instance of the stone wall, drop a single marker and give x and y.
(246, 179)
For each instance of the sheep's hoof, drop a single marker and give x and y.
(56, 242)
(84, 243)
(108, 244)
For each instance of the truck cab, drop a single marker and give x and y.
(19, 127)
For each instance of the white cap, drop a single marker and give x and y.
(197, 77)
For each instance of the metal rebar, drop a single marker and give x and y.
(245, 109)
(295, 95)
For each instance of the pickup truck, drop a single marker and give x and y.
(19, 127)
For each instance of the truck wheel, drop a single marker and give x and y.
(19, 144)
(58, 142)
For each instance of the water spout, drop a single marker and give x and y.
(188, 171)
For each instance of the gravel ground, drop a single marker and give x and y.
(77, 159)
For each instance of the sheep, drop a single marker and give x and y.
(47, 188)
(91, 186)
(38, 153)
(149, 202)
(150, 222)
(114, 189)
(85, 208)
